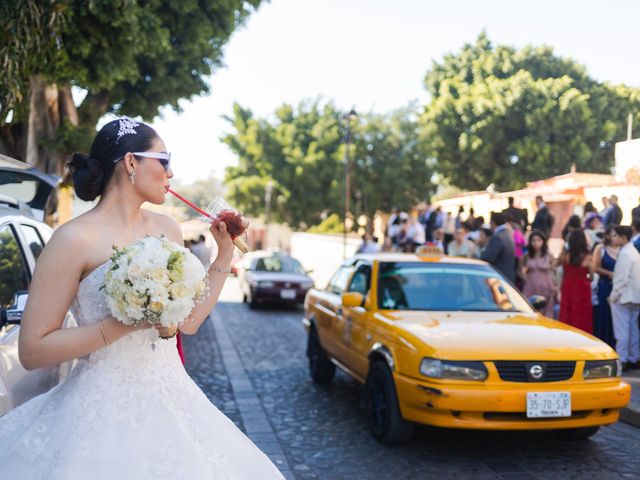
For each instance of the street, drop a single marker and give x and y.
(321, 432)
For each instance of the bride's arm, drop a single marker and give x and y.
(43, 342)
(216, 278)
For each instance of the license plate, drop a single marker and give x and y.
(288, 294)
(548, 404)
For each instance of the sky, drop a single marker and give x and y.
(373, 56)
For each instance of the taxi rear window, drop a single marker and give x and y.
(443, 287)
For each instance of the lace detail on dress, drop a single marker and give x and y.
(127, 410)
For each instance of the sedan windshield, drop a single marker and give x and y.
(279, 264)
(442, 286)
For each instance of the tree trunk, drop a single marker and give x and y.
(43, 121)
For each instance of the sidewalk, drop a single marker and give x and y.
(631, 414)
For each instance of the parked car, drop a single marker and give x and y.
(22, 239)
(450, 342)
(29, 186)
(273, 277)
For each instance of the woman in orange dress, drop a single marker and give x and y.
(575, 303)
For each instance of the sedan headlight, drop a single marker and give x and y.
(453, 370)
(602, 369)
(307, 284)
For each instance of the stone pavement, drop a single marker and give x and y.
(320, 432)
(631, 414)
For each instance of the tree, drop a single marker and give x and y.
(504, 116)
(128, 57)
(301, 150)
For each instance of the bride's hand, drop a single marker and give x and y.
(223, 240)
(169, 331)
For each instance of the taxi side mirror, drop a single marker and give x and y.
(538, 302)
(352, 299)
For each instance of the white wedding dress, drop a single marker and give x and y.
(127, 411)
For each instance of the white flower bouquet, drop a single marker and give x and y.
(153, 281)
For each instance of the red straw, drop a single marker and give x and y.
(189, 203)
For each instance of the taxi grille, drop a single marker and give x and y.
(513, 371)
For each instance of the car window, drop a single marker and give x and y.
(361, 280)
(338, 283)
(14, 275)
(34, 240)
(439, 286)
(279, 264)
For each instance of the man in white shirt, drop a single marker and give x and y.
(625, 298)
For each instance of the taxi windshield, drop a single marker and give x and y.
(442, 287)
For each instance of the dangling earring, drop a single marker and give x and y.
(132, 177)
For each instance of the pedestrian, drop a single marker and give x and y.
(517, 214)
(543, 219)
(500, 251)
(460, 246)
(438, 239)
(484, 234)
(369, 244)
(614, 213)
(434, 222)
(575, 300)
(199, 249)
(593, 228)
(604, 263)
(459, 217)
(625, 298)
(413, 235)
(536, 267)
(588, 208)
(605, 206)
(635, 212)
(635, 232)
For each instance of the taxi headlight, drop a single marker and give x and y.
(453, 370)
(602, 369)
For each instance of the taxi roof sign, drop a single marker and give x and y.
(429, 251)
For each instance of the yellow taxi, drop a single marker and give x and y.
(450, 342)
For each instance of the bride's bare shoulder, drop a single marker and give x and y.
(166, 225)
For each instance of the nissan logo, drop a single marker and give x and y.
(536, 372)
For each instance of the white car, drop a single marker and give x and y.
(22, 238)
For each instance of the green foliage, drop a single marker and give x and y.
(332, 224)
(200, 192)
(504, 116)
(131, 57)
(301, 150)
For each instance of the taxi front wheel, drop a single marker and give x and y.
(383, 409)
(321, 368)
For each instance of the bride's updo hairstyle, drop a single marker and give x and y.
(92, 173)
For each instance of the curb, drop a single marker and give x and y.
(256, 423)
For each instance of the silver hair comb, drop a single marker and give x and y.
(126, 127)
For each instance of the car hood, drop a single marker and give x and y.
(278, 277)
(494, 336)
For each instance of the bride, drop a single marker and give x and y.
(128, 409)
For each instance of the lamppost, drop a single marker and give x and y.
(268, 190)
(347, 119)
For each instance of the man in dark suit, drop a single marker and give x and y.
(517, 214)
(500, 251)
(614, 213)
(543, 220)
(635, 213)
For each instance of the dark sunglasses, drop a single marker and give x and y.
(163, 157)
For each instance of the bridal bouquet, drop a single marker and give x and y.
(153, 281)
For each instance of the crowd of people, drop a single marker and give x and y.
(593, 284)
